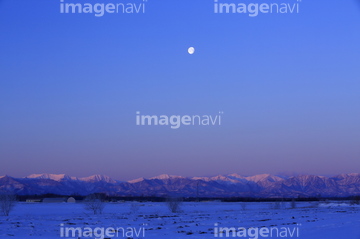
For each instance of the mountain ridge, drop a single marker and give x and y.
(231, 185)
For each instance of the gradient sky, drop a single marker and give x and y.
(70, 84)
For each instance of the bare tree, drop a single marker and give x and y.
(94, 203)
(243, 206)
(293, 204)
(7, 203)
(174, 204)
(277, 205)
(134, 207)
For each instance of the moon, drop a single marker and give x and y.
(191, 50)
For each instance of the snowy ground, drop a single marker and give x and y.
(197, 220)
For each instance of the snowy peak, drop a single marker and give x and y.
(136, 180)
(166, 176)
(222, 178)
(235, 175)
(206, 179)
(232, 178)
(347, 179)
(55, 177)
(98, 178)
(6, 177)
(348, 175)
(263, 178)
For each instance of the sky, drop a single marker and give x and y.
(71, 84)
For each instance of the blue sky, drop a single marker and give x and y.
(70, 84)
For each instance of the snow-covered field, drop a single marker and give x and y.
(197, 219)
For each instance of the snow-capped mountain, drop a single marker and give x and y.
(55, 177)
(136, 180)
(98, 178)
(166, 176)
(232, 185)
(263, 178)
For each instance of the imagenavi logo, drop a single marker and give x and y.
(257, 232)
(99, 9)
(175, 121)
(101, 232)
(254, 9)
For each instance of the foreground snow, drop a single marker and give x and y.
(197, 220)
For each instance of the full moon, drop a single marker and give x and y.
(191, 50)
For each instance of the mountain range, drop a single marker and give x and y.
(232, 185)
